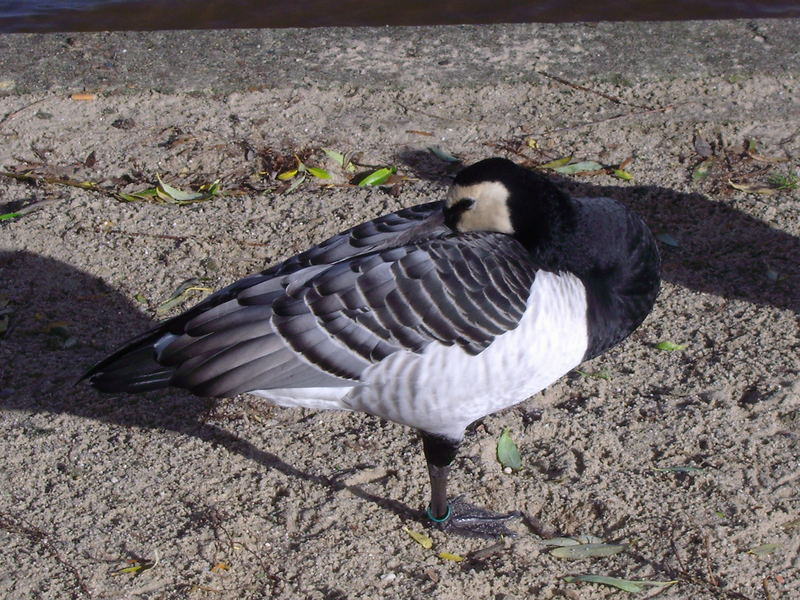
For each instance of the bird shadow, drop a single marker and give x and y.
(63, 319)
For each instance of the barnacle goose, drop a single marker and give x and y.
(433, 316)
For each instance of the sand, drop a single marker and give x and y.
(239, 499)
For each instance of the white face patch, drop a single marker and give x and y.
(490, 211)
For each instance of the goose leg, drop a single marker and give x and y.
(457, 515)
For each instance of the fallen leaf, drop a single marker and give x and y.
(670, 346)
(136, 569)
(754, 188)
(181, 293)
(378, 177)
(553, 164)
(702, 170)
(422, 539)
(143, 195)
(668, 239)
(764, 549)
(751, 152)
(626, 585)
(296, 184)
(622, 174)
(679, 470)
(702, 147)
(579, 551)
(575, 540)
(442, 155)
(286, 175)
(318, 173)
(9, 216)
(171, 194)
(586, 166)
(448, 556)
(337, 157)
(507, 453)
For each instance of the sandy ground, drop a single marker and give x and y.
(238, 499)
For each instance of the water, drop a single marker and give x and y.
(99, 15)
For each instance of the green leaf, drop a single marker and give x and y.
(287, 175)
(579, 167)
(507, 453)
(578, 551)
(210, 188)
(167, 192)
(622, 174)
(318, 173)
(554, 164)
(378, 177)
(140, 196)
(702, 170)
(173, 195)
(764, 549)
(181, 293)
(670, 346)
(136, 569)
(625, 585)
(343, 160)
(449, 556)
(442, 155)
(11, 215)
(337, 157)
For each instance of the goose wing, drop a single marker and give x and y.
(322, 325)
(397, 283)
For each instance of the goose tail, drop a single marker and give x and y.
(133, 368)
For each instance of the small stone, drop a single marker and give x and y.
(126, 123)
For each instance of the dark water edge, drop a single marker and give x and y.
(101, 15)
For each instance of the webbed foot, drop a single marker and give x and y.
(463, 518)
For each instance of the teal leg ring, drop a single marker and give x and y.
(434, 519)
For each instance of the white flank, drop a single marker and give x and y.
(444, 389)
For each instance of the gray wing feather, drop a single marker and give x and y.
(398, 283)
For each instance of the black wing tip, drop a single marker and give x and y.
(131, 369)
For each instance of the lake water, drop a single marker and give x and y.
(98, 15)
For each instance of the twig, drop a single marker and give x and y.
(614, 99)
(607, 119)
(712, 578)
(176, 238)
(18, 525)
(13, 113)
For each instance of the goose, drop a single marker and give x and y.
(433, 316)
